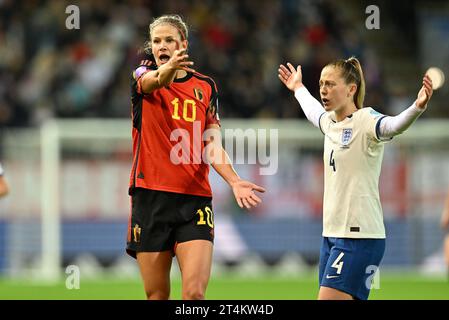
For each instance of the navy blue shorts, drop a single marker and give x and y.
(348, 265)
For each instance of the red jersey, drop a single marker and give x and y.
(168, 126)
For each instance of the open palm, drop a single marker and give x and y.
(244, 193)
(290, 77)
(425, 93)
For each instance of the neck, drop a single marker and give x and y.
(342, 113)
(180, 74)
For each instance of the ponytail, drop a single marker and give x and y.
(352, 73)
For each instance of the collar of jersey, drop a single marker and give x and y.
(347, 117)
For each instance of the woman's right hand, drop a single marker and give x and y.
(290, 77)
(179, 61)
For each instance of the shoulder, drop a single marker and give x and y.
(206, 79)
(143, 68)
(370, 113)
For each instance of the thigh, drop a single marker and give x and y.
(327, 293)
(155, 271)
(195, 261)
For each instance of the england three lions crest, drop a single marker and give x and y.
(346, 137)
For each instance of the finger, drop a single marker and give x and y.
(178, 44)
(282, 77)
(427, 80)
(285, 73)
(298, 68)
(291, 67)
(239, 202)
(186, 63)
(182, 51)
(428, 87)
(188, 69)
(257, 188)
(251, 202)
(245, 202)
(285, 70)
(282, 80)
(426, 76)
(255, 198)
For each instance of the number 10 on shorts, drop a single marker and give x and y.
(209, 217)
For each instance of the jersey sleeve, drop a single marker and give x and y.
(1, 170)
(324, 121)
(372, 119)
(212, 116)
(147, 64)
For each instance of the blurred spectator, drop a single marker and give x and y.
(47, 70)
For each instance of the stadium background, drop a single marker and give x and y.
(48, 72)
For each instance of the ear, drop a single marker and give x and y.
(352, 89)
(184, 44)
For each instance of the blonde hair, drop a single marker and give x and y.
(352, 73)
(174, 20)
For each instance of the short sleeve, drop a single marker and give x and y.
(372, 119)
(146, 65)
(324, 121)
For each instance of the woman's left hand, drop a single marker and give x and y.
(425, 93)
(244, 193)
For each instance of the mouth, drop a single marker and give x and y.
(325, 101)
(163, 58)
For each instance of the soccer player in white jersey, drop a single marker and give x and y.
(3, 185)
(353, 241)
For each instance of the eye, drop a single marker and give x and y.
(156, 41)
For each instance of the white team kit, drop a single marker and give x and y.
(352, 162)
(1, 170)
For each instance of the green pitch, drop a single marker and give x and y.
(392, 286)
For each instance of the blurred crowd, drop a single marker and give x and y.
(47, 70)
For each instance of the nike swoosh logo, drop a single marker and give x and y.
(330, 277)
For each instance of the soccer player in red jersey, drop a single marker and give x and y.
(176, 134)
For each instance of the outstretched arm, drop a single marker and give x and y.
(292, 79)
(166, 73)
(243, 190)
(392, 126)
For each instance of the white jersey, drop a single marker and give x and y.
(1, 170)
(352, 158)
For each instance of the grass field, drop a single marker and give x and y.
(227, 287)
